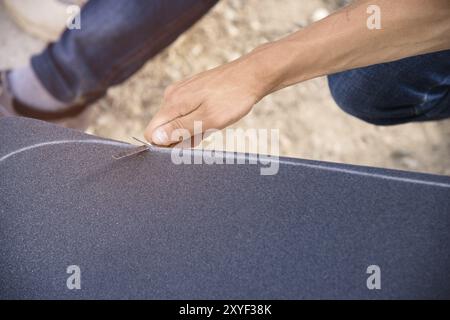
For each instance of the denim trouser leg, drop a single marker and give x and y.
(411, 89)
(116, 38)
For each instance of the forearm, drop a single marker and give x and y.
(343, 41)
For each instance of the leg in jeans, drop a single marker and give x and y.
(411, 89)
(116, 38)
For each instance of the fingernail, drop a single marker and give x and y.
(160, 137)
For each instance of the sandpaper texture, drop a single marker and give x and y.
(143, 227)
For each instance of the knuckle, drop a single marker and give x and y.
(179, 132)
(177, 124)
(169, 92)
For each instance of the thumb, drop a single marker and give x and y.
(177, 129)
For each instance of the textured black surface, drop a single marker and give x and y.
(143, 227)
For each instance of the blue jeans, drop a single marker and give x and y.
(115, 40)
(411, 89)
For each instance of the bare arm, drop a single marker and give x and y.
(342, 41)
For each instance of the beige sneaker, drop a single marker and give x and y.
(45, 19)
(75, 117)
(6, 100)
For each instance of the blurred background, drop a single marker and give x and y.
(311, 126)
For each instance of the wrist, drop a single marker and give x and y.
(267, 70)
(277, 65)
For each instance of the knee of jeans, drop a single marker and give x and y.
(358, 103)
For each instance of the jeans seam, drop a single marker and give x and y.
(438, 108)
(416, 108)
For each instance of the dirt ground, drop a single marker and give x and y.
(311, 125)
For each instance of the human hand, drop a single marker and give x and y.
(217, 98)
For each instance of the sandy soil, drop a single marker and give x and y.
(311, 125)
